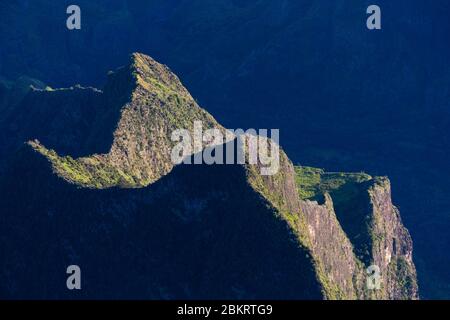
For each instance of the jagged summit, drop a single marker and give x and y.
(300, 233)
(142, 76)
(144, 102)
(155, 77)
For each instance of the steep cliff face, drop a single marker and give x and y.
(198, 232)
(340, 272)
(302, 62)
(159, 105)
(190, 231)
(391, 244)
(375, 237)
(131, 121)
(366, 232)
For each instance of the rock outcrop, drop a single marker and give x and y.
(141, 227)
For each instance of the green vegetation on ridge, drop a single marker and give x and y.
(153, 104)
(313, 182)
(90, 172)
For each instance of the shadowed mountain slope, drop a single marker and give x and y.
(140, 227)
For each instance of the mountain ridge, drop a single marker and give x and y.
(138, 176)
(152, 103)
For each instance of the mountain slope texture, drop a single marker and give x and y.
(95, 187)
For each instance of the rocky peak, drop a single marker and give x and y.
(153, 77)
(331, 226)
(147, 102)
